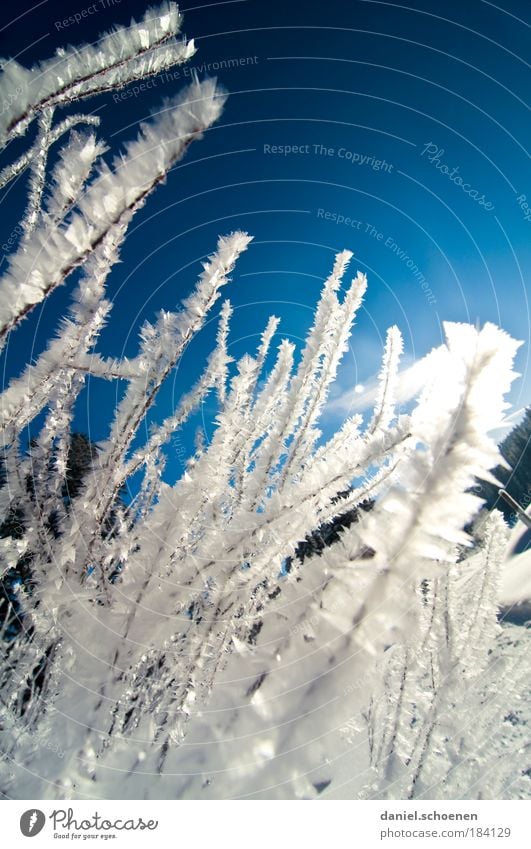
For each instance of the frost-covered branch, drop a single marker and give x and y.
(38, 172)
(16, 168)
(53, 252)
(118, 58)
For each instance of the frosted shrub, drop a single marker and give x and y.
(163, 648)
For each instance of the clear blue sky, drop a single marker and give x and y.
(411, 121)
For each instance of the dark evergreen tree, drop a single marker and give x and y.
(516, 450)
(329, 532)
(81, 454)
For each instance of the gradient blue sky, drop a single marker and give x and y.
(343, 81)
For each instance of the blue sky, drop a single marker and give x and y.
(393, 130)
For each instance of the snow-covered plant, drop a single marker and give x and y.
(173, 646)
(448, 717)
(55, 241)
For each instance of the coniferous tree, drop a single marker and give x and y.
(516, 478)
(80, 457)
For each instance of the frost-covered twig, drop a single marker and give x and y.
(38, 172)
(53, 252)
(16, 168)
(118, 58)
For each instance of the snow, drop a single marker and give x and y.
(516, 574)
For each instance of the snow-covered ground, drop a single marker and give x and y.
(516, 577)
